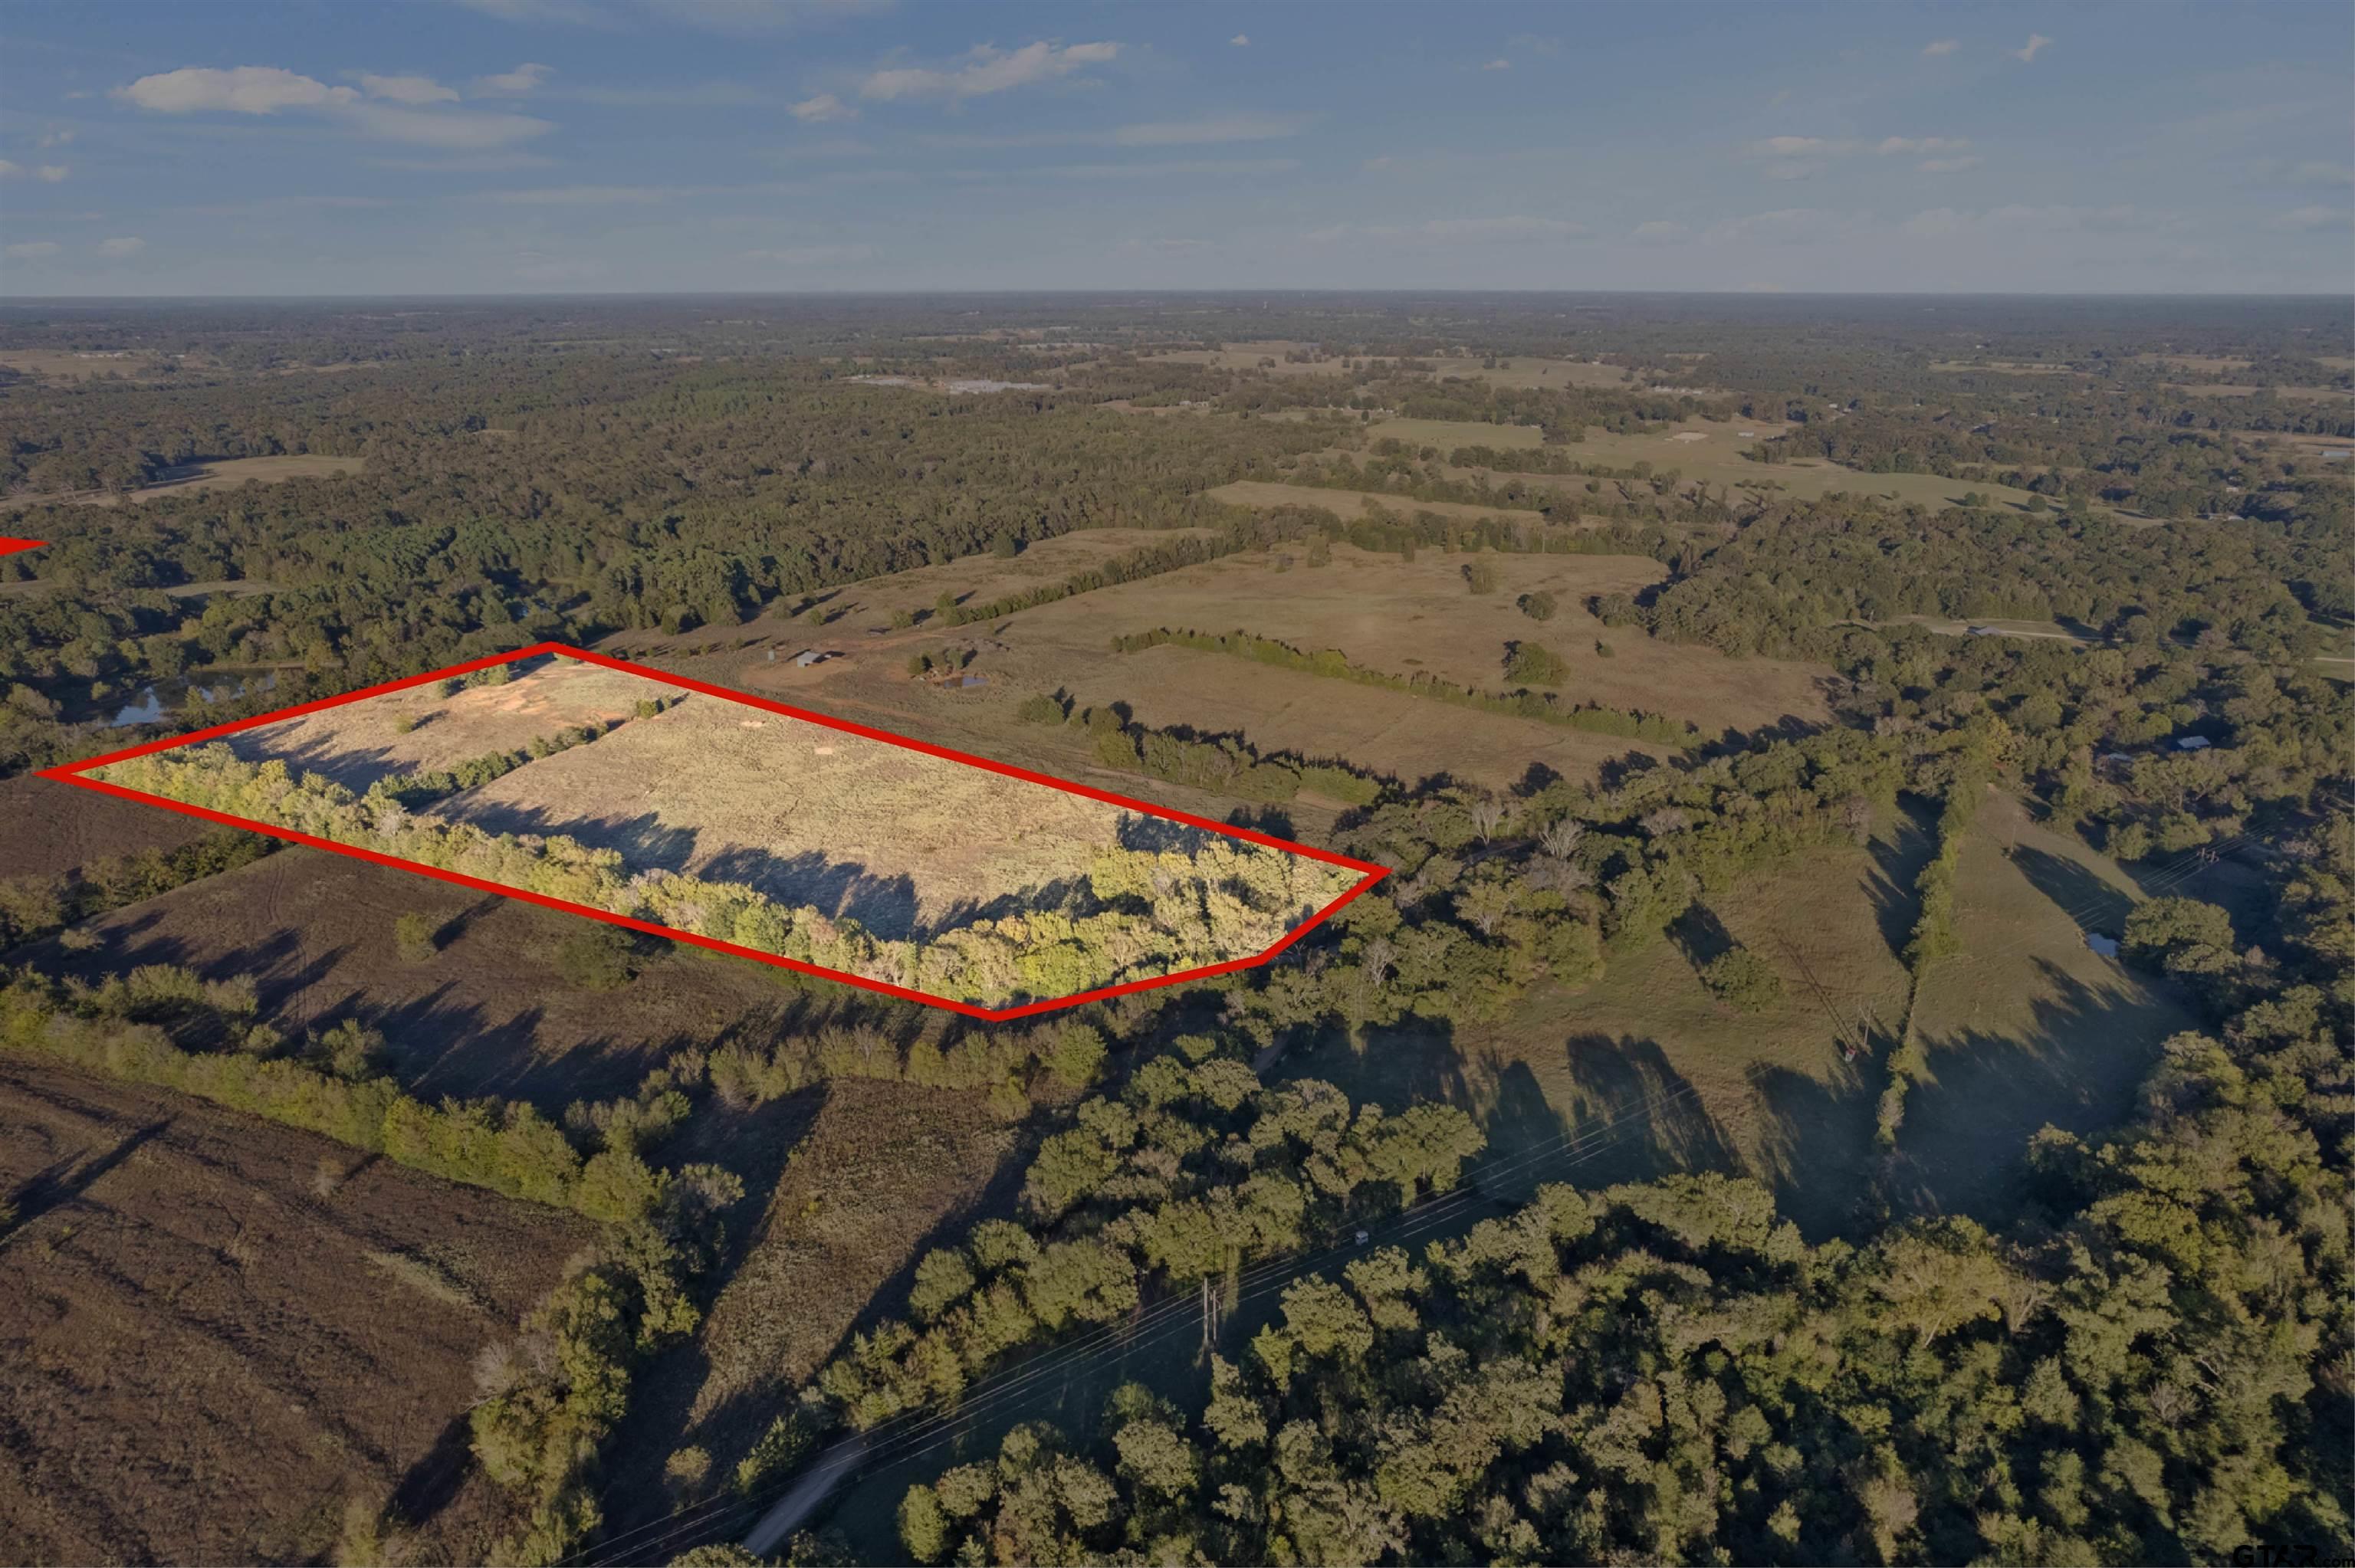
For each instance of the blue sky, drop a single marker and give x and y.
(486, 146)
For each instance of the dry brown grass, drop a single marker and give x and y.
(222, 474)
(806, 814)
(68, 364)
(358, 743)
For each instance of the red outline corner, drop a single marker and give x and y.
(9, 545)
(71, 773)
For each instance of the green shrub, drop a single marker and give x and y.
(1743, 981)
(416, 938)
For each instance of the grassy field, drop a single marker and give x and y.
(1714, 458)
(1646, 1071)
(358, 743)
(220, 1332)
(1348, 504)
(1525, 372)
(892, 837)
(66, 364)
(220, 474)
(2026, 1025)
(1386, 613)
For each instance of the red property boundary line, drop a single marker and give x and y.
(72, 773)
(9, 545)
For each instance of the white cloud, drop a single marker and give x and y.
(463, 162)
(54, 138)
(267, 90)
(240, 89)
(822, 108)
(1499, 63)
(32, 249)
(413, 89)
(1241, 127)
(1936, 47)
(986, 69)
(1924, 145)
(1240, 40)
(2312, 171)
(50, 174)
(1660, 231)
(120, 248)
(2307, 218)
(2036, 45)
(521, 83)
(1946, 166)
(1795, 146)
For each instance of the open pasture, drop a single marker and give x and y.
(2027, 1027)
(1526, 372)
(1645, 1073)
(81, 364)
(220, 473)
(1710, 451)
(219, 1333)
(896, 839)
(422, 730)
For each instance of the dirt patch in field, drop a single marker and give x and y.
(52, 830)
(216, 1332)
(361, 742)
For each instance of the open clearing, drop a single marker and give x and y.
(361, 742)
(217, 1332)
(1699, 1084)
(80, 364)
(1525, 372)
(1714, 458)
(2026, 1025)
(896, 839)
(1388, 614)
(221, 473)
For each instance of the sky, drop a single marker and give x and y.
(311, 147)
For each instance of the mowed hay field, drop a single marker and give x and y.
(1646, 1071)
(809, 815)
(486, 1014)
(359, 742)
(1449, 434)
(217, 1333)
(2026, 1025)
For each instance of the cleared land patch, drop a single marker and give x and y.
(217, 1332)
(1449, 434)
(1649, 1073)
(780, 835)
(2026, 1025)
(220, 474)
(1714, 458)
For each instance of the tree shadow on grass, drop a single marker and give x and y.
(1899, 854)
(1815, 1148)
(2092, 903)
(1635, 1116)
